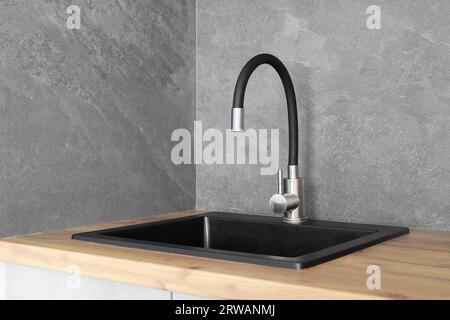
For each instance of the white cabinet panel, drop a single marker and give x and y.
(25, 282)
(2, 281)
(18, 282)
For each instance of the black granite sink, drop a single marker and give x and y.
(248, 238)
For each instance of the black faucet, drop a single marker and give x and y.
(290, 198)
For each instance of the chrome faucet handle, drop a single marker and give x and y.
(280, 181)
(282, 203)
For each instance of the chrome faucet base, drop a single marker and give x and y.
(293, 216)
(294, 184)
(290, 198)
(290, 220)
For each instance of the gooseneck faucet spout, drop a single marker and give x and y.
(239, 95)
(289, 199)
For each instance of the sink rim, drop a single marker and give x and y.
(379, 233)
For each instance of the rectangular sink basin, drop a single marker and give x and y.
(264, 240)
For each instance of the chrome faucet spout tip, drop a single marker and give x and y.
(237, 120)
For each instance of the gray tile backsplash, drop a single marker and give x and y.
(86, 115)
(374, 105)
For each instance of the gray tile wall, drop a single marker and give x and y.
(86, 115)
(374, 105)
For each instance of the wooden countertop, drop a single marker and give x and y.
(414, 266)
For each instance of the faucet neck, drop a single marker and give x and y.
(241, 85)
(293, 172)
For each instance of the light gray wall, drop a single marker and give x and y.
(374, 105)
(86, 115)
